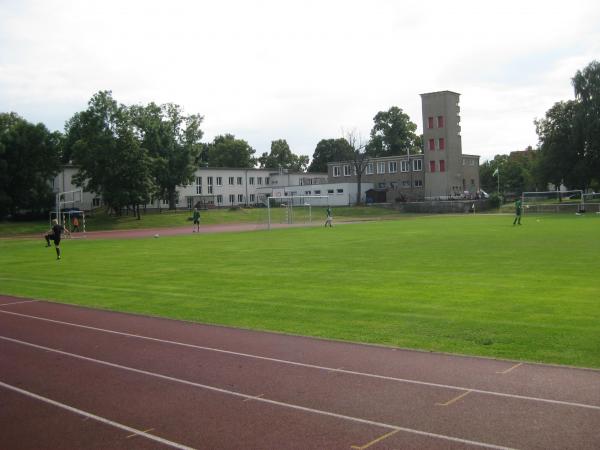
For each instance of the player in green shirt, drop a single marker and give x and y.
(196, 219)
(329, 220)
(518, 211)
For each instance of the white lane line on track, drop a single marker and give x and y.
(313, 366)
(259, 399)
(17, 303)
(88, 415)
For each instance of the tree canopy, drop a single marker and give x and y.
(330, 150)
(173, 142)
(282, 157)
(111, 160)
(227, 151)
(393, 133)
(29, 159)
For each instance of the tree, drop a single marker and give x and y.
(111, 160)
(587, 92)
(29, 159)
(359, 160)
(282, 157)
(560, 154)
(393, 134)
(173, 141)
(227, 151)
(330, 150)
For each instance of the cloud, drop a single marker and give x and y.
(300, 71)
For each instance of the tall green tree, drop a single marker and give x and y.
(586, 83)
(330, 150)
(393, 133)
(561, 155)
(173, 141)
(227, 151)
(282, 157)
(29, 159)
(112, 163)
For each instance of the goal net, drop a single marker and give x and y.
(592, 202)
(553, 202)
(295, 209)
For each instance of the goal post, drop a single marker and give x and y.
(572, 201)
(293, 209)
(68, 207)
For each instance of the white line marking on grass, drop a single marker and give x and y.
(253, 397)
(88, 415)
(312, 366)
(17, 303)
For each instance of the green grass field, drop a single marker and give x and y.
(465, 284)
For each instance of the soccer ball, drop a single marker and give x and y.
(157, 235)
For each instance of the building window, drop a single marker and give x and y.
(336, 171)
(330, 191)
(219, 199)
(340, 191)
(430, 122)
(251, 180)
(404, 165)
(346, 170)
(209, 181)
(259, 180)
(369, 170)
(393, 167)
(471, 162)
(440, 120)
(96, 201)
(380, 167)
(418, 183)
(405, 183)
(317, 192)
(431, 144)
(442, 165)
(198, 181)
(307, 193)
(442, 144)
(230, 181)
(417, 165)
(198, 189)
(219, 181)
(432, 166)
(464, 162)
(267, 180)
(239, 180)
(240, 198)
(252, 198)
(231, 199)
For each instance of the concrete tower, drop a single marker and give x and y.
(442, 144)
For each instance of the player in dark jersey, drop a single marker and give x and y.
(55, 234)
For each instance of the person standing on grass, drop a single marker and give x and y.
(518, 211)
(196, 219)
(55, 234)
(329, 220)
(75, 223)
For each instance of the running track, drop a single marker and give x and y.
(74, 377)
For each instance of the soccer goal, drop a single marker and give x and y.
(294, 209)
(592, 202)
(68, 210)
(553, 202)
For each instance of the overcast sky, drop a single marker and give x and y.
(300, 70)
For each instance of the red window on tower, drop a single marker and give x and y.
(432, 166)
(442, 165)
(431, 144)
(430, 122)
(442, 144)
(440, 121)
